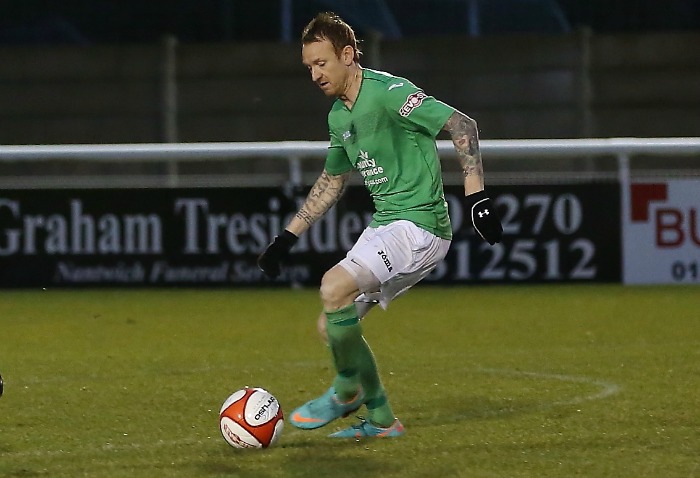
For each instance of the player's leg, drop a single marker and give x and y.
(399, 256)
(339, 325)
(338, 291)
(372, 385)
(354, 360)
(365, 281)
(381, 265)
(363, 304)
(375, 259)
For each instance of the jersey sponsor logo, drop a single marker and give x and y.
(395, 85)
(413, 101)
(370, 170)
(364, 161)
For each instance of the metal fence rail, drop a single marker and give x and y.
(199, 164)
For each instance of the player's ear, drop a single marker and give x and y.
(347, 55)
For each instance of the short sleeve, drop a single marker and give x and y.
(415, 107)
(337, 161)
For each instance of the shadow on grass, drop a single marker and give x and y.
(470, 408)
(300, 457)
(515, 394)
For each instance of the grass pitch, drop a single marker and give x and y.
(501, 381)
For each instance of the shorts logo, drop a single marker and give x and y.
(386, 260)
(413, 101)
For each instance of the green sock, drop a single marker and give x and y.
(343, 335)
(380, 412)
(355, 364)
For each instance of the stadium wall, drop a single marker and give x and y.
(561, 86)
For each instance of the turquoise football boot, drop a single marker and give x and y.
(324, 409)
(366, 429)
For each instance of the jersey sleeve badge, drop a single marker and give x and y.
(412, 102)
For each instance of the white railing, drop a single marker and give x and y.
(171, 154)
(494, 148)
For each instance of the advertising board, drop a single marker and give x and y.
(661, 232)
(211, 237)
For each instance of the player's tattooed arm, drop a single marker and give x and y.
(465, 137)
(323, 195)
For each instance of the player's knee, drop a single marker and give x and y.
(330, 291)
(336, 291)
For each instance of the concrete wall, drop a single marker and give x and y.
(566, 86)
(646, 85)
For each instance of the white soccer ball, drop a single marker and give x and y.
(251, 418)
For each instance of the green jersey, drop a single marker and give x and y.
(389, 137)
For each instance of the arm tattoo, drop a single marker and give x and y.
(465, 137)
(323, 195)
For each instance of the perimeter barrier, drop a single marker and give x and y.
(198, 214)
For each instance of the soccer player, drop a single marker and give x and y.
(384, 127)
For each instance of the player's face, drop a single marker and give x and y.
(327, 70)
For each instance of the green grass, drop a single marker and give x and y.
(489, 381)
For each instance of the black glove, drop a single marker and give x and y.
(271, 259)
(483, 215)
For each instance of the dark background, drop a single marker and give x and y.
(201, 21)
(122, 71)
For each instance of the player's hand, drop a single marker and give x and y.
(270, 261)
(484, 217)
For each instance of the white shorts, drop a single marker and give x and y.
(388, 260)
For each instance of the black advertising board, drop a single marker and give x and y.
(211, 237)
(551, 233)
